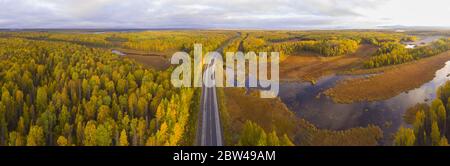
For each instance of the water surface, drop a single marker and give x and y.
(307, 102)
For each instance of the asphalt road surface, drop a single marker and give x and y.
(211, 129)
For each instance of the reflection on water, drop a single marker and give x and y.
(305, 99)
(424, 40)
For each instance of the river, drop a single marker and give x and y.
(306, 101)
(118, 53)
(424, 40)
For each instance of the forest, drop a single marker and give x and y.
(392, 53)
(157, 42)
(59, 93)
(323, 43)
(429, 122)
(172, 41)
(68, 89)
(254, 135)
(322, 47)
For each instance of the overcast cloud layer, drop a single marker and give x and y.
(270, 14)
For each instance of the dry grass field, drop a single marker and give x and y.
(155, 62)
(272, 114)
(391, 82)
(310, 67)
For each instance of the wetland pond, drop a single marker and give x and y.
(306, 100)
(118, 53)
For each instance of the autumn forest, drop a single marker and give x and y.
(113, 88)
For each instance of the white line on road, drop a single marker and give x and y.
(216, 113)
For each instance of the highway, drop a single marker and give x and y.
(211, 129)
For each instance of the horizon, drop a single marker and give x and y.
(380, 28)
(250, 73)
(234, 14)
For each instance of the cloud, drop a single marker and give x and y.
(189, 13)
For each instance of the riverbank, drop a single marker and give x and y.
(274, 115)
(311, 67)
(390, 82)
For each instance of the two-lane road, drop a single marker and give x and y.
(211, 129)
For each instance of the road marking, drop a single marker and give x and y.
(213, 106)
(204, 92)
(210, 121)
(216, 112)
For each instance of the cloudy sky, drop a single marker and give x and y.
(262, 14)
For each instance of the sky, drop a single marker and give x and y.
(225, 14)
